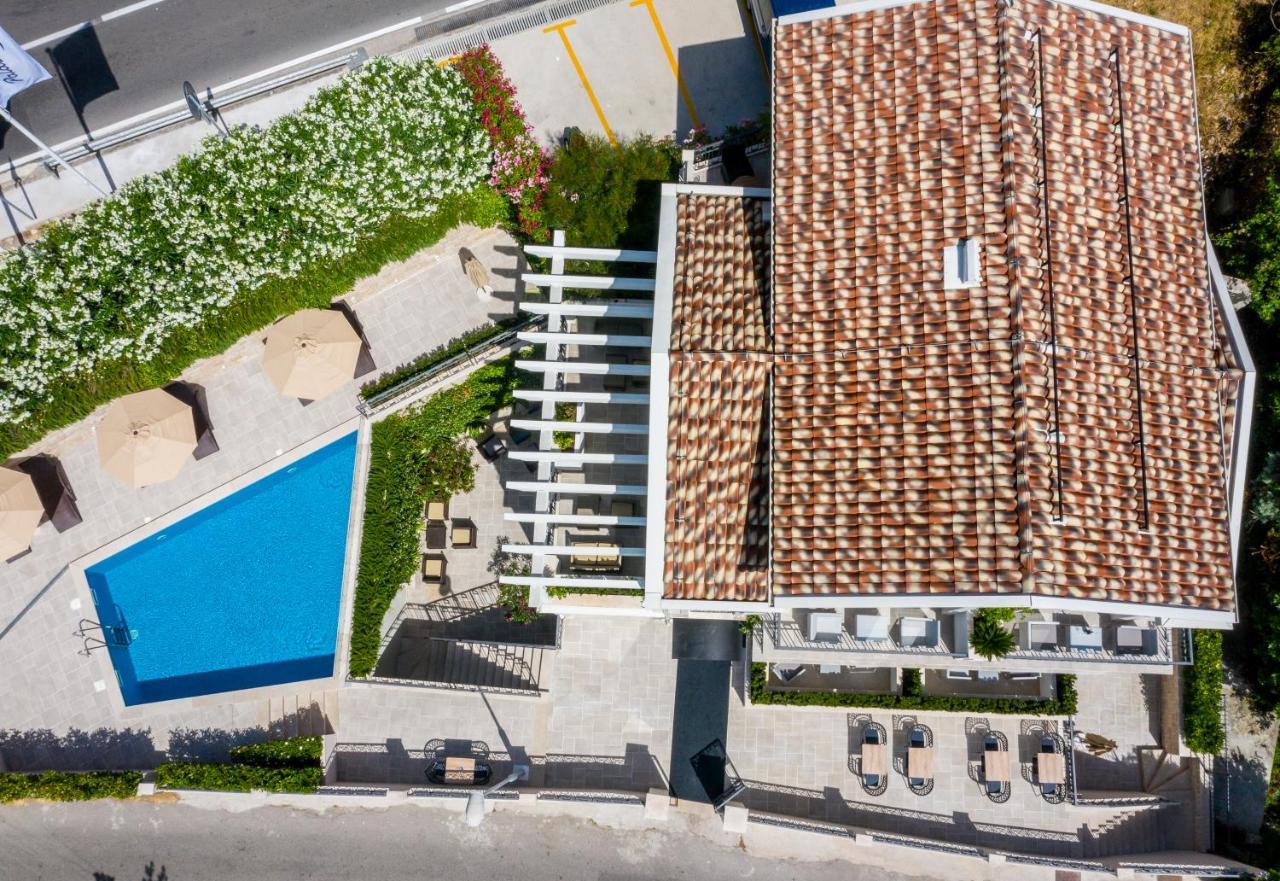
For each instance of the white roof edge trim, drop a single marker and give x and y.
(1240, 437)
(712, 190)
(729, 606)
(1087, 5)
(655, 533)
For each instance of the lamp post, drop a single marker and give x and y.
(475, 801)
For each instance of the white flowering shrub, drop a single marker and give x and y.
(170, 250)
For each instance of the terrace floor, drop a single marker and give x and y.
(406, 310)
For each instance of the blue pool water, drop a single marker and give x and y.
(241, 594)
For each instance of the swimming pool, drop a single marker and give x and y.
(241, 594)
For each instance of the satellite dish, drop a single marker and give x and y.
(194, 106)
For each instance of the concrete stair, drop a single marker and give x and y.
(1129, 832)
(481, 665)
(313, 714)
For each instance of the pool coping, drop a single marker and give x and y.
(100, 660)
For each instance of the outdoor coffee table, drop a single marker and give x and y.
(874, 759)
(996, 765)
(920, 762)
(1051, 768)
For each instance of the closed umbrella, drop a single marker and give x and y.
(311, 353)
(146, 438)
(20, 512)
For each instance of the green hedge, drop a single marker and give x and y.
(913, 699)
(1202, 695)
(69, 786)
(439, 355)
(237, 778)
(401, 477)
(562, 592)
(317, 286)
(297, 752)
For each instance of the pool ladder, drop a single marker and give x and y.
(104, 638)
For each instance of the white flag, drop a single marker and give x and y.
(18, 70)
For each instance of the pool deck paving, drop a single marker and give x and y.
(405, 310)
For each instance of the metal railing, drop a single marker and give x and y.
(1163, 654)
(470, 357)
(789, 635)
(91, 145)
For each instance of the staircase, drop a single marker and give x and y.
(480, 664)
(313, 714)
(1129, 832)
(1180, 780)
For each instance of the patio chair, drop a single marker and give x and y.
(1051, 773)
(787, 673)
(595, 562)
(995, 750)
(463, 534)
(919, 763)
(492, 448)
(433, 568)
(437, 536)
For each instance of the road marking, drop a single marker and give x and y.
(582, 75)
(671, 59)
(176, 105)
(106, 16)
(463, 5)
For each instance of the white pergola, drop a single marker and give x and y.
(556, 366)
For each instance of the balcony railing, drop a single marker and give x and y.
(1160, 647)
(790, 635)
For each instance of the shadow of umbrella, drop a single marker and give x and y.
(82, 68)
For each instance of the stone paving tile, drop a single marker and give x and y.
(405, 310)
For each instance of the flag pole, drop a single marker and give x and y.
(46, 149)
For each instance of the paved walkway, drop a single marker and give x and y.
(406, 310)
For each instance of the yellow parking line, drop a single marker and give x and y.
(582, 75)
(445, 62)
(671, 59)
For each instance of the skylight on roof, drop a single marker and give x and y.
(960, 267)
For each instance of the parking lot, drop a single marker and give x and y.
(639, 66)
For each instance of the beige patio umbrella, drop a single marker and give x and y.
(20, 512)
(311, 353)
(146, 437)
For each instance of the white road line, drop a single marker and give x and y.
(175, 105)
(463, 5)
(106, 16)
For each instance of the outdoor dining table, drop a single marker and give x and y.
(874, 759)
(1050, 768)
(920, 762)
(996, 765)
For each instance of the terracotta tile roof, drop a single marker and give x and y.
(717, 441)
(914, 425)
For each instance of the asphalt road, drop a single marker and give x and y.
(133, 841)
(145, 55)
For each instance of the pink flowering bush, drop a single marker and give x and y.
(520, 165)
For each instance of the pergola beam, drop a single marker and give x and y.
(570, 397)
(574, 550)
(571, 581)
(586, 339)
(562, 458)
(606, 255)
(633, 309)
(595, 368)
(588, 282)
(578, 489)
(581, 427)
(573, 519)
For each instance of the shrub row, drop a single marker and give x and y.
(237, 777)
(69, 785)
(297, 752)
(414, 457)
(562, 592)
(1202, 695)
(913, 699)
(519, 162)
(178, 264)
(438, 355)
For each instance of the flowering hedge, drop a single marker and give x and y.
(519, 164)
(107, 292)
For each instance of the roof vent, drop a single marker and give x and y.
(960, 264)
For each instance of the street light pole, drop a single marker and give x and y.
(475, 801)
